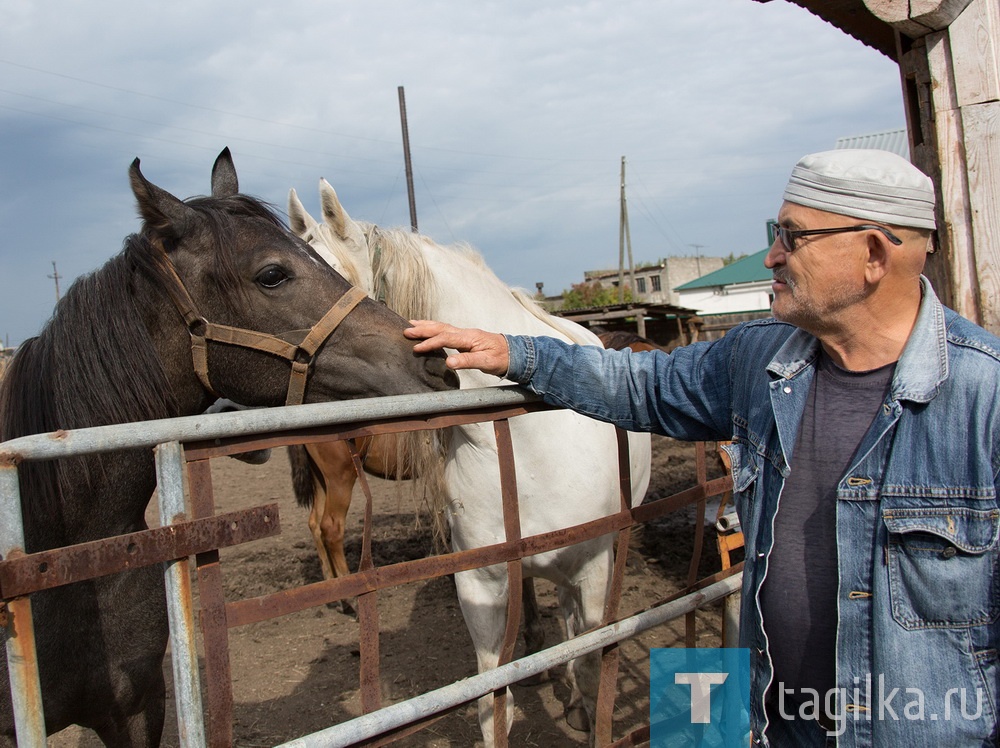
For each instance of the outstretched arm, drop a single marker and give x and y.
(477, 349)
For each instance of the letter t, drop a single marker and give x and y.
(701, 699)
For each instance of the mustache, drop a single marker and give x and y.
(781, 275)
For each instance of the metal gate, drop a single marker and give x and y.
(190, 528)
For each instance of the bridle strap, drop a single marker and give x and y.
(300, 355)
(316, 337)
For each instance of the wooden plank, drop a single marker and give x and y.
(981, 125)
(955, 232)
(942, 73)
(953, 269)
(975, 37)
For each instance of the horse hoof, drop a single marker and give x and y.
(576, 717)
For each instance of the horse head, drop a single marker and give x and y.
(338, 239)
(257, 304)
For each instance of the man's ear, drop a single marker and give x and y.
(880, 256)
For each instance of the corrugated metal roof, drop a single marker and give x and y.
(894, 141)
(853, 17)
(748, 270)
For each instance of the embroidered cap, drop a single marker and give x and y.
(868, 184)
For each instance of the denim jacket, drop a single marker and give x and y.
(917, 511)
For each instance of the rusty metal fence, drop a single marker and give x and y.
(190, 528)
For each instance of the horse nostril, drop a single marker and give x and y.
(436, 367)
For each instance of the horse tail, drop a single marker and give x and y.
(302, 475)
(422, 454)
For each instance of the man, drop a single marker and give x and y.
(865, 452)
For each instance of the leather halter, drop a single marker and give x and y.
(300, 355)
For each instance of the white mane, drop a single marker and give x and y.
(414, 293)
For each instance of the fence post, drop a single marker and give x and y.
(187, 685)
(22, 660)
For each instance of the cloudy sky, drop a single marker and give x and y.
(519, 115)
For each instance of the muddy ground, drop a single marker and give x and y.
(299, 673)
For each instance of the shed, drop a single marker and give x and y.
(665, 324)
(740, 287)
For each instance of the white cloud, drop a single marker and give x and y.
(519, 114)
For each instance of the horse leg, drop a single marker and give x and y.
(142, 728)
(534, 631)
(583, 609)
(328, 517)
(333, 524)
(316, 512)
(482, 594)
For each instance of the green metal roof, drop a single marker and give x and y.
(748, 270)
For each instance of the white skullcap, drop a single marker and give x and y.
(874, 185)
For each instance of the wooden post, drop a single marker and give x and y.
(949, 55)
(624, 238)
(406, 158)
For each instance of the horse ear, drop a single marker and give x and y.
(333, 212)
(162, 212)
(299, 219)
(224, 181)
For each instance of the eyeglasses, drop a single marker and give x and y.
(788, 236)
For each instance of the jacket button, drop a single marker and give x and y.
(949, 552)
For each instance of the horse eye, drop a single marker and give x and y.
(271, 277)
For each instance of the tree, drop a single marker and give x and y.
(590, 294)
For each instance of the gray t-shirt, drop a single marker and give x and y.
(799, 594)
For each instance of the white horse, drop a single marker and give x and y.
(567, 471)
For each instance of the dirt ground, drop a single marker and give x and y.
(299, 673)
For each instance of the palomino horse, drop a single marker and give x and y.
(119, 349)
(423, 280)
(323, 479)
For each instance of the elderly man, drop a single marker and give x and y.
(865, 452)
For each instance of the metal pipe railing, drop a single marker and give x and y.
(447, 697)
(167, 436)
(22, 660)
(255, 421)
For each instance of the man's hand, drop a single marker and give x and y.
(477, 349)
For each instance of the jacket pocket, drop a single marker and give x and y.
(942, 566)
(744, 466)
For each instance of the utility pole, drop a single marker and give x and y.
(624, 237)
(406, 158)
(697, 255)
(55, 276)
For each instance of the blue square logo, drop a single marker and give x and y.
(699, 697)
